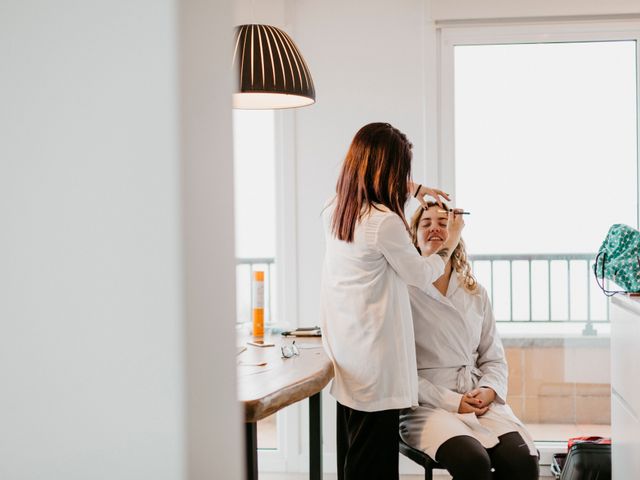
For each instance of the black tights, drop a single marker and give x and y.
(466, 459)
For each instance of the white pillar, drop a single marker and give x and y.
(116, 290)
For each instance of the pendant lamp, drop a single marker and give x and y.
(271, 71)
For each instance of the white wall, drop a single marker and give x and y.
(367, 66)
(268, 12)
(92, 304)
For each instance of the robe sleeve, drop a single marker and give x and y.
(393, 241)
(436, 396)
(491, 358)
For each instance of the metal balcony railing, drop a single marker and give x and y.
(525, 288)
(558, 287)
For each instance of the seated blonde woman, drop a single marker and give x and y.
(463, 421)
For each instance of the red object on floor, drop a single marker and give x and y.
(599, 440)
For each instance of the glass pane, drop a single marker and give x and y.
(546, 161)
(255, 207)
(550, 129)
(255, 183)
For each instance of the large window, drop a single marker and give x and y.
(542, 143)
(551, 130)
(255, 214)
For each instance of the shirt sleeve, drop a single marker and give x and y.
(435, 396)
(491, 358)
(393, 241)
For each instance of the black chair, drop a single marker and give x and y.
(420, 458)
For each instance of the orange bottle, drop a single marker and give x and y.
(258, 304)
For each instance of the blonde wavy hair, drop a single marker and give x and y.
(459, 260)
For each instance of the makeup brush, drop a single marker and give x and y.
(455, 213)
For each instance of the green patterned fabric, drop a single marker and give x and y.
(619, 255)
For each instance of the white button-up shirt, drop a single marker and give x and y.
(367, 328)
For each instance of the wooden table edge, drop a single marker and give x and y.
(291, 394)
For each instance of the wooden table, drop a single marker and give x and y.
(283, 381)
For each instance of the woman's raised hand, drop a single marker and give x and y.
(455, 225)
(420, 191)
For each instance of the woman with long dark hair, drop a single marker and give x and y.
(366, 314)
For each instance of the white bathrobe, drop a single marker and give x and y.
(457, 350)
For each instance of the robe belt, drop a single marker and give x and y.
(465, 380)
(467, 376)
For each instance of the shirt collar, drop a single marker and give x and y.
(452, 287)
(453, 283)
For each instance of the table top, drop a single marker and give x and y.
(282, 381)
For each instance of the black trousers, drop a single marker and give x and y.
(367, 444)
(466, 459)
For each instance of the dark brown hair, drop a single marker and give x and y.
(459, 260)
(376, 169)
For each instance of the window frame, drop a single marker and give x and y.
(452, 34)
(287, 457)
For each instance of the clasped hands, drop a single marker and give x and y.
(477, 401)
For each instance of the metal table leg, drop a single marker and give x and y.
(251, 447)
(315, 436)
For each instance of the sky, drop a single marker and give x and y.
(545, 144)
(255, 183)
